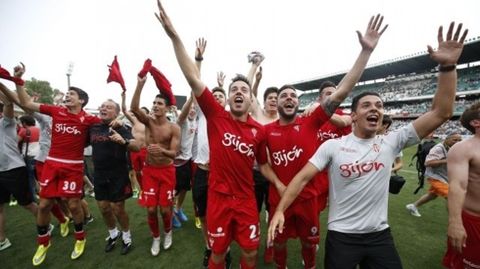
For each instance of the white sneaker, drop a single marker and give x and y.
(413, 210)
(5, 244)
(155, 249)
(167, 241)
(51, 227)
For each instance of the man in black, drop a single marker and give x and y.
(112, 184)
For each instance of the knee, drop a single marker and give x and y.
(249, 253)
(119, 208)
(152, 211)
(306, 244)
(74, 205)
(105, 208)
(165, 210)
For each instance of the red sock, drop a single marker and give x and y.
(57, 212)
(167, 221)
(244, 265)
(153, 223)
(212, 265)
(280, 256)
(308, 254)
(43, 239)
(80, 235)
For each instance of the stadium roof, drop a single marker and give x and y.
(415, 63)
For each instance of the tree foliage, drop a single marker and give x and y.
(40, 90)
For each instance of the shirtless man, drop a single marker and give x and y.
(464, 196)
(162, 139)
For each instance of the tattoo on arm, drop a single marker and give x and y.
(330, 106)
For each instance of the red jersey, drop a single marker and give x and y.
(328, 130)
(290, 147)
(234, 145)
(69, 132)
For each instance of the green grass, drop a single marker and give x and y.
(421, 242)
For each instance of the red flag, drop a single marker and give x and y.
(146, 67)
(115, 74)
(163, 85)
(6, 75)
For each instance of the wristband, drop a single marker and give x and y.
(18, 81)
(447, 68)
(199, 59)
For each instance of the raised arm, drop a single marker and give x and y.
(201, 44)
(458, 160)
(125, 112)
(185, 110)
(13, 97)
(7, 106)
(23, 96)
(186, 64)
(447, 54)
(368, 42)
(255, 107)
(256, 62)
(135, 105)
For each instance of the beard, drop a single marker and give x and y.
(285, 115)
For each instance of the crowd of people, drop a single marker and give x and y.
(237, 160)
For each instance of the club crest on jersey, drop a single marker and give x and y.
(231, 140)
(376, 147)
(297, 128)
(254, 132)
(82, 118)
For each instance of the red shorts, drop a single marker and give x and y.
(38, 169)
(61, 179)
(301, 220)
(230, 218)
(158, 186)
(138, 159)
(470, 256)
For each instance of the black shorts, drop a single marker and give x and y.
(183, 174)
(15, 182)
(261, 190)
(371, 250)
(113, 186)
(199, 191)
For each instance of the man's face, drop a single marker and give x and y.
(325, 93)
(108, 111)
(192, 112)
(453, 139)
(72, 99)
(287, 104)
(239, 98)
(220, 98)
(159, 108)
(271, 102)
(368, 115)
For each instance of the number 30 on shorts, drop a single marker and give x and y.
(69, 185)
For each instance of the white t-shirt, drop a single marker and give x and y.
(201, 142)
(359, 172)
(189, 128)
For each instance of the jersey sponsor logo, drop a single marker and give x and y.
(283, 157)
(231, 140)
(275, 134)
(323, 136)
(347, 149)
(219, 233)
(64, 129)
(354, 170)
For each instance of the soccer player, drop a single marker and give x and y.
(63, 169)
(158, 183)
(13, 172)
(290, 147)
(235, 140)
(112, 184)
(360, 165)
(463, 163)
(436, 172)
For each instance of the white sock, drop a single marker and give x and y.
(127, 237)
(113, 232)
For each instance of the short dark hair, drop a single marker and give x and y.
(284, 87)
(471, 113)
(326, 84)
(82, 95)
(220, 90)
(161, 96)
(359, 96)
(146, 109)
(240, 77)
(387, 120)
(269, 91)
(27, 120)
